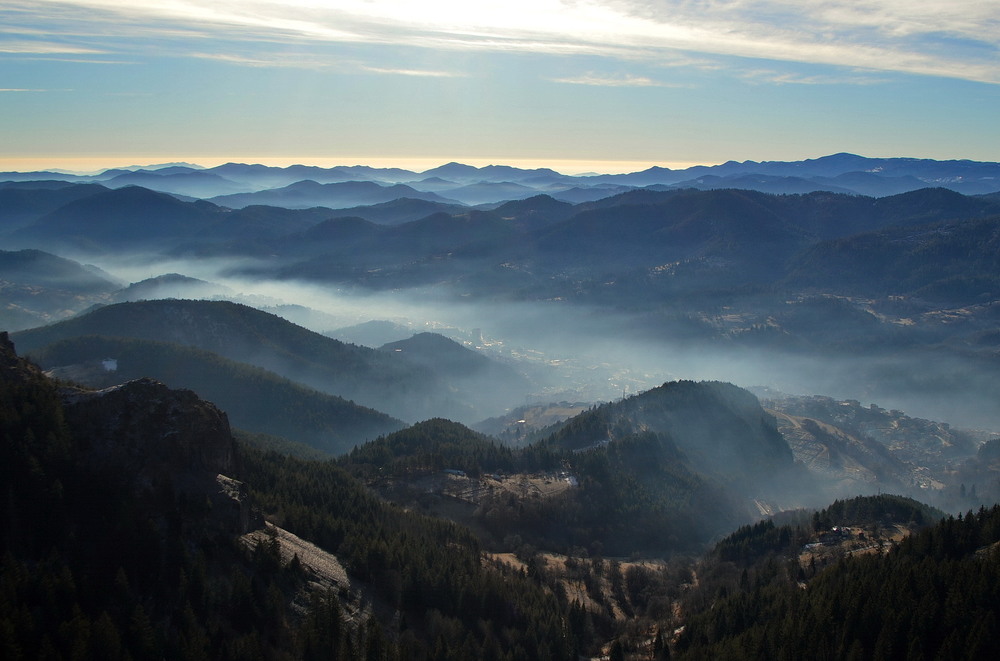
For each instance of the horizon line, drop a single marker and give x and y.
(417, 164)
(93, 165)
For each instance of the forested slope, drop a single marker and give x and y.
(932, 596)
(255, 399)
(117, 544)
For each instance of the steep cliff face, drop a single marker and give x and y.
(13, 370)
(151, 429)
(168, 449)
(164, 441)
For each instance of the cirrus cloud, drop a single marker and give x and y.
(930, 37)
(602, 80)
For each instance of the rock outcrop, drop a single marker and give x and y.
(171, 449)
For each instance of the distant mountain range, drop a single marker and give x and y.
(706, 235)
(308, 193)
(841, 173)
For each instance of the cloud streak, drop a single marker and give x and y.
(950, 39)
(419, 73)
(600, 80)
(20, 47)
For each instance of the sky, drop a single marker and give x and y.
(577, 85)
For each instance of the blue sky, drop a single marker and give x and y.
(605, 85)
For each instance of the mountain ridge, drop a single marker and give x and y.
(238, 332)
(849, 172)
(255, 399)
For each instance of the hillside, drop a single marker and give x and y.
(931, 595)
(38, 287)
(130, 217)
(23, 202)
(244, 334)
(487, 384)
(40, 269)
(950, 262)
(720, 429)
(255, 399)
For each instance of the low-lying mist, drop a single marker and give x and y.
(577, 353)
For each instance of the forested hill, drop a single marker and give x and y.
(719, 429)
(784, 535)
(229, 329)
(255, 399)
(244, 334)
(698, 457)
(932, 596)
(38, 287)
(659, 473)
(433, 445)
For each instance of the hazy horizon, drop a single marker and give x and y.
(85, 166)
(96, 164)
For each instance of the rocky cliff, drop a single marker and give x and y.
(167, 447)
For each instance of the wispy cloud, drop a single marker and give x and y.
(931, 37)
(45, 47)
(420, 73)
(75, 60)
(271, 60)
(298, 60)
(600, 80)
(774, 77)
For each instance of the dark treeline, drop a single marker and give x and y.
(90, 570)
(932, 596)
(439, 444)
(749, 543)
